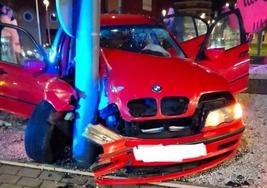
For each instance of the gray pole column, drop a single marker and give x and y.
(259, 44)
(86, 76)
(38, 21)
(120, 6)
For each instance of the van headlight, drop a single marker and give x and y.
(224, 115)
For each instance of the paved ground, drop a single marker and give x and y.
(21, 177)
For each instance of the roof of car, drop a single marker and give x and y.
(125, 19)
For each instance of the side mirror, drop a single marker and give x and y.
(214, 53)
(34, 65)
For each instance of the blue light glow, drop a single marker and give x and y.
(52, 55)
(103, 103)
(60, 17)
(86, 80)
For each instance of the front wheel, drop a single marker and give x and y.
(44, 142)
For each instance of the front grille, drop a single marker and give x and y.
(160, 129)
(146, 107)
(172, 106)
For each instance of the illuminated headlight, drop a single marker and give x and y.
(224, 115)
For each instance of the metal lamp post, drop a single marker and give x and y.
(86, 77)
(46, 4)
(85, 28)
(38, 21)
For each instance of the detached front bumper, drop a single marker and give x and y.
(220, 143)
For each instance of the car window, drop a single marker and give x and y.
(226, 33)
(16, 47)
(153, 40)
(202, 28)
(185, 28)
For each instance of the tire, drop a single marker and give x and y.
(44, 142)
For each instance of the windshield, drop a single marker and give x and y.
(153, 40)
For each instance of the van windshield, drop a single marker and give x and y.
(153, 40)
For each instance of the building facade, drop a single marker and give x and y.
(27, 17)
(25, 13)
(154, 7)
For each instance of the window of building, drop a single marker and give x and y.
(53, 17)
(28, 16)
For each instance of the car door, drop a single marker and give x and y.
(225, 50)
(189, 31)
(22, 77)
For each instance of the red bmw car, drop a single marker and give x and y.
(167, 104)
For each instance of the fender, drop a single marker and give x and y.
(58, 93)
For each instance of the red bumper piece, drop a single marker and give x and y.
(119, 161)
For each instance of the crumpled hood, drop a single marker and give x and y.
(132, 76)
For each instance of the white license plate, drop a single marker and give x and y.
(169, 153)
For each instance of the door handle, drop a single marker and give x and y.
(2, 72)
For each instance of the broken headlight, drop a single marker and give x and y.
(224, 115)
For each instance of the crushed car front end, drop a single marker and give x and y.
(164, 149)
(121, 154)
(160, 116)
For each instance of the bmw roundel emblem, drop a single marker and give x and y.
(156, 89)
